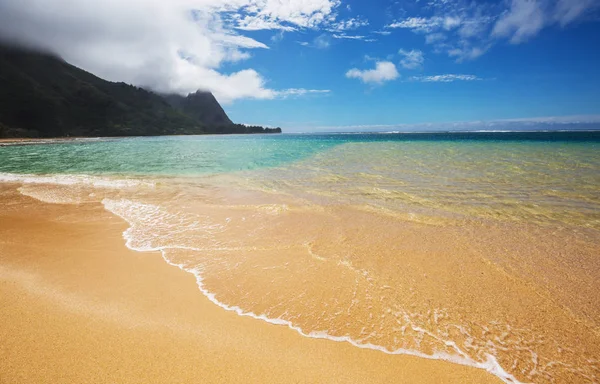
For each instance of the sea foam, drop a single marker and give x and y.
(87, 180)
(140, 239)
(151, 228)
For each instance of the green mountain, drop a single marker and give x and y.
(202, 106)
(41, 95)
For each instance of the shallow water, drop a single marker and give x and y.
(480, 249)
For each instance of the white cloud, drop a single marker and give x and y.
(475, 28)
(256, 23)
(384, 71)
(448, 78)
(465, 29)
(411, 59)
(433, 38)
(460, 33)
(418, 24)
(524, 20)
(568, 11)
(352, 37)
(235, 56)
(322, 41)
(302, 92)
(464, 51)
(348, 25)
(428, 24)
(384, 33)
(451, 22)
(278, 37)
(168, 46)
(436, 26)
(277, 14)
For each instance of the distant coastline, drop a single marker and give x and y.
(9, 141)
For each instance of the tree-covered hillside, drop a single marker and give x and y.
(43, 96)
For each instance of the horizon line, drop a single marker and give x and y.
(544, 123)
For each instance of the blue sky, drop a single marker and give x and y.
(553, 72)
(337, 64)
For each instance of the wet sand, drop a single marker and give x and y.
(28, 141)
(78, 306)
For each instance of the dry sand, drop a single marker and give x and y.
(78, 307)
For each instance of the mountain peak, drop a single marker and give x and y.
(41, 95)
(200, 105)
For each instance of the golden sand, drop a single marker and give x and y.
(516, 298)
(78, 307)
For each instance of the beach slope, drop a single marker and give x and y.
(78, 306)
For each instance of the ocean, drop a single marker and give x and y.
(479, 248)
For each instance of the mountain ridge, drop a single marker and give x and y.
(190, 105)
(41, 95)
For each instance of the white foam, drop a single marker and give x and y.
(491, 364)
(50, 196)
(491, 131)
(127, 210)
(87, 180)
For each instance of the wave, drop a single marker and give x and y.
(156, 228)
(69, 180)
(138, 240)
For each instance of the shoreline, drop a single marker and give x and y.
(491, 366)
(52, 140)
(71, 288)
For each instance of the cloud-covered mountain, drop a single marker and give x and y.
(42, 95)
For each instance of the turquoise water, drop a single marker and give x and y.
(476, 248)
(217, 154)
(532, 176)
(160, 155)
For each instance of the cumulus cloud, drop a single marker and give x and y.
(383, 71)
(447, 78)
(169, 46)
(412, 59)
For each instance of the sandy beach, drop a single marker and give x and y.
(78, 306)
(286, 191)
